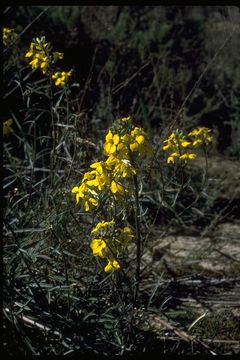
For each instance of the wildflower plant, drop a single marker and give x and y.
(124, 144)
(114, 179)
(182, 147)
(108, 242)
(43, 58)
(200, 136)
(114, 183)
(108, 191)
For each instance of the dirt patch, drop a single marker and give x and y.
(224, 173)
(194, 282)
(218, 255)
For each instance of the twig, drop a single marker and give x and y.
(226, 255)
(216, 341)
(128, 80)
(26, 28)
(182, 334)
(36, 324)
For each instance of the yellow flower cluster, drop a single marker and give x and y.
(61, 78)
(44, 58)
(9, 35)
(181, 147)
(201, 136)
(108, 240)
(122, 142)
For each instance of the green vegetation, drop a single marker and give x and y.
(120, 180)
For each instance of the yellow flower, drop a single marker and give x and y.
(79, 191)
(197, 142)
(201, 135)
(75, 189)
(191, 156)
(44, 66)
(126, 139)
(102, 224)
(171, 158)
(108, 241)
(100, 177)
(112, 265)
(116, 187)
(44, 59)
(185, 143)
(194, 132)
(29, 54)
(126, 119)
(171, 142)
(110, 146)
(83, 192)
(137, 138)
(165, 147)
(61, 78)
(90, 201)
(139, 144)
(34, 62)
(7, 127)
(98, 247)
(89, 175)
(176, 142)
(121, 168)
(40, 53)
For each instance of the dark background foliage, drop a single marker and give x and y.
(168, 66)
(145, 60)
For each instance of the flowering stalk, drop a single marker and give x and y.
(124, 145)
(43, 58)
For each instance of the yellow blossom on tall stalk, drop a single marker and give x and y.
(61, 77)
(9, 35)
(44, 58)
(120, 167)
(124, 145)
(190, 156)
(123, 141)
(111, 144)
(108, 241)
(139, 144)
(88, 196)
(133, 140)
(179, 147)
(182, 147)
(117, 188)
(98, 247)
(112, 264)
(100, 176)
(102, 225)
(40, 52)
(201, 136)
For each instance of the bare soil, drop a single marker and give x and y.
(194, 281)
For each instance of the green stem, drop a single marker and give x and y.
(52, 154)
(138, 237)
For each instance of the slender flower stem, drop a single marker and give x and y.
(138, 237)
